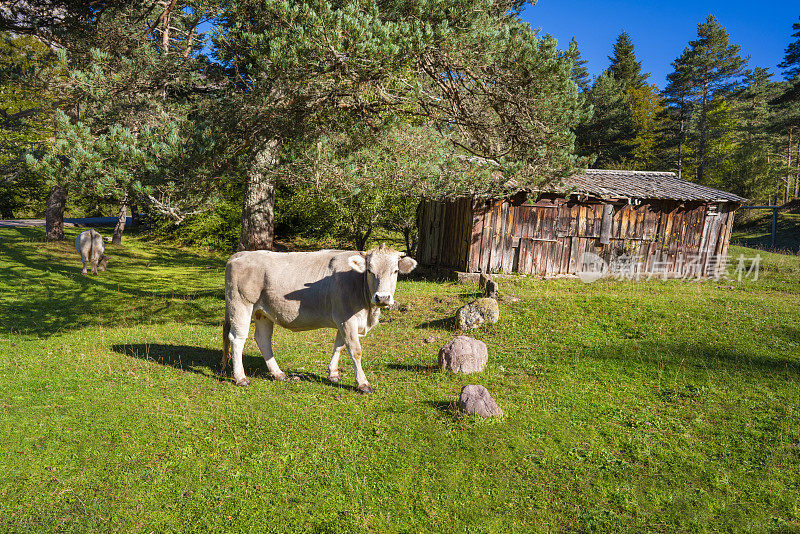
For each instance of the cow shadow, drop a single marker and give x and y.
(305, 376)
(198, 360)
(413, 367)
(207, 362)
(447, 408)
(447, 323)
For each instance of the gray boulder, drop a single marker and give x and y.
(475, 400)
(463, 355)
(478, 312)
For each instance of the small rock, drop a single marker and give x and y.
(475, 400)
(429, 339)
(463, 355)
(491, 289)
(487, 284)
(478, 312)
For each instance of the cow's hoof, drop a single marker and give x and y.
(243, 382)
(365, 389)
(281, 377)
(333, 379)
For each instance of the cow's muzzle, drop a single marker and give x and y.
(383, 299)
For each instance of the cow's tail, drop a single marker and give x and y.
(226, 345)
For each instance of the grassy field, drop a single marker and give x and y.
(753, 228)
(659, 406)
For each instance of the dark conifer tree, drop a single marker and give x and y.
(608, 135)
(624, 66)
(791, 61)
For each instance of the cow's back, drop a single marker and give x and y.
(297, 290)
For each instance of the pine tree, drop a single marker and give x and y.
(579, 71)
(791, 60)
(754, 161)
(624, 67)
(707, 66)
(131, 69)
(608, 135)
(474, 71)
(786, 107)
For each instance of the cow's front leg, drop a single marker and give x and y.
(350, 334)
(263, 337)
(333, 367)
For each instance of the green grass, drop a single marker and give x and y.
(660, 406)
(753, 228)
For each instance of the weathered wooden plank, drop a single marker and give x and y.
(606, 223)
(455, 236)
(466, 235)
(486, 239)
(438, 207)
(527, 263)
(474, 245)
(425, 233)
(507, 262)
(497, 240)
(497, 224)
(650, 227)
(728, 230)
(625, 221)
(572, 266)
(582, 215)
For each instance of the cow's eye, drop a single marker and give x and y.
(396, 271)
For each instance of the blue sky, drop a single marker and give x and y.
(661, 30)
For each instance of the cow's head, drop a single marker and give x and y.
(101, 264)
(381, 265)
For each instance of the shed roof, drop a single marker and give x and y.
(641, 184)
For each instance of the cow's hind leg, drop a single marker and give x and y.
(263, 336)
(350, 333)
(333, 367)
(239, 317)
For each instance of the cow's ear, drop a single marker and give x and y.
(406, 264)
(357, 262)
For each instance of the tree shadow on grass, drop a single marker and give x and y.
(207, 362)
(701, 356)
(50, 295)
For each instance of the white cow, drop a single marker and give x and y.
(299, 291)
(89, 245)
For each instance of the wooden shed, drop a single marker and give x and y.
(653, 222)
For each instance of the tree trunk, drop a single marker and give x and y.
(54, 214)
(116, 237)
(135, 216)
(797, 173)
(788, 167)
(681, 137)
(258, 208)
(701, 164)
